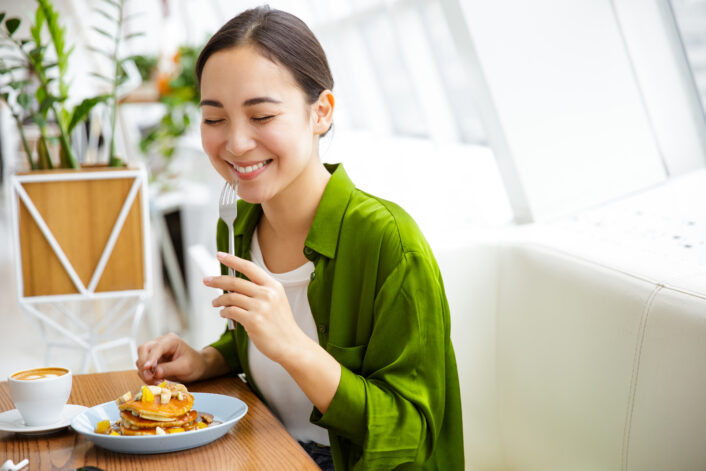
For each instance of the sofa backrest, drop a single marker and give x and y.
(567, 364)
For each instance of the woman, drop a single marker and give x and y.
(342, 323)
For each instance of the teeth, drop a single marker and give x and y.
(251, 168)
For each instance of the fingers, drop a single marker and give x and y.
(237, 314)
(233, 299)
(230, 283)
(150, 354)
(256, 274)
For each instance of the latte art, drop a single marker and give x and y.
(39, 373)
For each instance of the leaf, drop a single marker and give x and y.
(36, 28)
(83, 109)
(18, 84)
(106, 54)
(24, 100)
(131, 16)
(134, 35)
(11, 25)
(112, 3)
(104, 14)
(102, 77)
(40, 94)
(10, 69)
(48, 102)
(103, 33)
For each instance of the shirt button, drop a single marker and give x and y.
(308, 251)
(313, 275)
(322, 329)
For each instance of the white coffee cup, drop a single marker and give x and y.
(40, 394)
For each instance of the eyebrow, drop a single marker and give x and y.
(249, 102)
(260, 99)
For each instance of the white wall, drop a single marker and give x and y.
(573, 126)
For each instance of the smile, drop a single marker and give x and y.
(249, 170)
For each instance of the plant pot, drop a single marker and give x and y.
(80, 231)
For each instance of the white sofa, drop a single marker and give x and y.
(568, 363)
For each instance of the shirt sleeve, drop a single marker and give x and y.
(227, 347)
(394, 409)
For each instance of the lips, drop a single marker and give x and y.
(249, 170)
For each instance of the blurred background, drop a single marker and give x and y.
(479, 118)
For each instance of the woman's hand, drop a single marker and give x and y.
(169, 357)
(261, 306)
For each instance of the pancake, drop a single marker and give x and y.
(130, 420)
(153, 431)
(155, 409)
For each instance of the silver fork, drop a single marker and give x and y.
(228, 211)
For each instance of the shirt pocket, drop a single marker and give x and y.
(350, 357)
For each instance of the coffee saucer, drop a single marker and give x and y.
(11, 421)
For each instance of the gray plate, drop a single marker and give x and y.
(226, 409)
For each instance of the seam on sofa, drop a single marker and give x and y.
(635, 372)
(616, 269)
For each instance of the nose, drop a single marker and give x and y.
(239, 142)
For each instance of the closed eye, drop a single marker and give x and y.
(262, 119)
(212, 121)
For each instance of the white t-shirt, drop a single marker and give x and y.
(281, 392)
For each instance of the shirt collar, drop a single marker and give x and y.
(325, 229)
(323, 235)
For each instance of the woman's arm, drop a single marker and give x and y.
(260, 304)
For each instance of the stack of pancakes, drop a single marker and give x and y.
(157, 410)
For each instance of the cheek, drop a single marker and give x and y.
(209, 141)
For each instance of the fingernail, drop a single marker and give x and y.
(221, 255)
(207, 279)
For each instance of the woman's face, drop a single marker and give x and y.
(256, 125)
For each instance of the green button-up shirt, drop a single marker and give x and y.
(379, 304)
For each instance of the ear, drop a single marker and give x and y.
(323, 112)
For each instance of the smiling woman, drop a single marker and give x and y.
(342, 321)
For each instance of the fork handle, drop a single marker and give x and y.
(231, 272)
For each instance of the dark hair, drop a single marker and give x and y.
(281, 37)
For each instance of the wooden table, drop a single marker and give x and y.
(257, 442)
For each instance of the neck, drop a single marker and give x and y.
(292, 212)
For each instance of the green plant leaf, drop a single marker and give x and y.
(112, 3)
(36, 28)
(102, 77)
(134, 35)
(106, 54)
(5, 70)
(103, 33)
(40, 94)
(105, 14)
(18, 84)
(48, 102)
(131, 17)
(11, 24)
(83, 109)
(24, 100)
(4, 96)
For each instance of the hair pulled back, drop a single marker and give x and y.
(282, 38)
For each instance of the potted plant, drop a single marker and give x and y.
(80, 232)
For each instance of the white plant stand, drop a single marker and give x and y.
(62, 319)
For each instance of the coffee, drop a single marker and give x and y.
(40, 394)
(39, 373)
